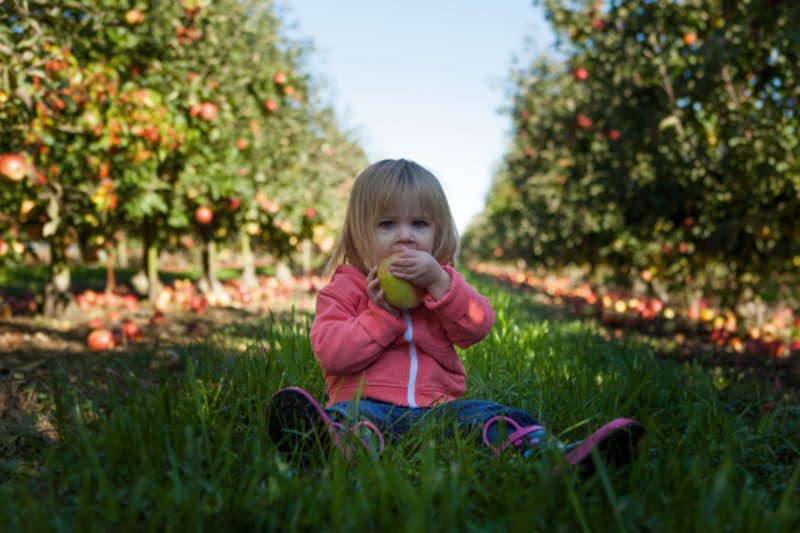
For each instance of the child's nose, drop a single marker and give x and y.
(404, 233)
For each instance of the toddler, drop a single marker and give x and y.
(386, 369)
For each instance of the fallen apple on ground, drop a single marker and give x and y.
(398, 292)
(100, 339)
(131, 330)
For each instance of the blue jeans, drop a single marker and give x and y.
(466, 415)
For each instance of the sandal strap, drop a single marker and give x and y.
(336, 429)
(515, 438)
(374, 429)
(342, 441)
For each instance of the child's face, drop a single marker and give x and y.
(404, 228)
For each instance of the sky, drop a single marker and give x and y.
(423, 79)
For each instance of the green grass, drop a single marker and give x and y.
(187, 450)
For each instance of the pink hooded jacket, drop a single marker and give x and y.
(406, 361)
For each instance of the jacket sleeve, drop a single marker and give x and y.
(346, 340)
(466, 315)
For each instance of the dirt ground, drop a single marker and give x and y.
(24, 340)
(36, 356)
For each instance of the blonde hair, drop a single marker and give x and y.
(382, 187)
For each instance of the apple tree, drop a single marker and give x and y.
(123, 119)
(661, 145)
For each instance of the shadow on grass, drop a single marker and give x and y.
(32, 278)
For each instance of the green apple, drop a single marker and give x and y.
(398, 292)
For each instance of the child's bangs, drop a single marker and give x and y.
(408, 192)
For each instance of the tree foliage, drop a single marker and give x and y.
(662, 144)
(131, 115)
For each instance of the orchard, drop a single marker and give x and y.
(129, 128)
(658, 156)
(172, 183)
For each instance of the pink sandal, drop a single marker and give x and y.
(294, 416)
(617, 443)
(516, 438)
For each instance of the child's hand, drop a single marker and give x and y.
(423, 270)
(375, 292)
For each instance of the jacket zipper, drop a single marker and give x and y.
(412, 352)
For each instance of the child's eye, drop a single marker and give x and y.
(421, 223)
(386, 224)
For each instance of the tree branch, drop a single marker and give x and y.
(729, 88)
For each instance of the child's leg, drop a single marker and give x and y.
(371, 419)
(503, 427)
(379, 413)
(497, 425)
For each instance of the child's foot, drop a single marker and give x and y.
(617, 444)
(299, 426)
(529, 440)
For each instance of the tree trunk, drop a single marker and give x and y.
(208, 280)
(152, 271)
(56, 291)
(56, 295)
(306, 256)
(122, 250)
(249, 278)
(150, 260)
(111, 280)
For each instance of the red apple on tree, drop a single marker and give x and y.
(581, 74)
(234, 203)
(241, 143)
(280, 78)
(13, 166)
(583, 121)
(271, 105)
(208, 111)
(134, 16)
(203, 215)
(690, 38)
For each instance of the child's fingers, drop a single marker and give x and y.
(373, 286)
(402, 265)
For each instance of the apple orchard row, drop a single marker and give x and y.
(196, 118)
